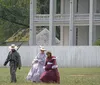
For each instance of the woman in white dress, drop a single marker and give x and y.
(37, 66)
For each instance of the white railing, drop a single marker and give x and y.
(97, 16)
(78, 18)
(61, 17)
(81, 16)
(67, 56)
(41, 17)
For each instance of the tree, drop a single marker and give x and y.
(14, 14)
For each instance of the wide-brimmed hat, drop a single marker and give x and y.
(13, 46)
(42, 48)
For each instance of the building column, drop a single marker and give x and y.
(61, 27)
(92, 28)
(51, 23)
(71, 23)
(32, 31)
(74, 27)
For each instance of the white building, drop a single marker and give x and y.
(79, 21)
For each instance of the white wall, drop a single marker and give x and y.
(83, 35)
(97, 32)
(98, 6)
(74, 56)
(66, 35)
(83, 6)
(67, 6)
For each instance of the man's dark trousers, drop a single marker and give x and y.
(13, 69)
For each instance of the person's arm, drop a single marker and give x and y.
(35, 59)
(48, 65)
(54, 66)
(7, 60)
(46, 62)
(19, 60)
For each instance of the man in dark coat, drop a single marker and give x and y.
(15, 62)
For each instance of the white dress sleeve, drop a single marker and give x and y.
(35, 59)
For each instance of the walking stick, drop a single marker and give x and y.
(19, 46)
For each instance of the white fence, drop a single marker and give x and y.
(67, 56)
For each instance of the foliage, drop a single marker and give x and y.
(14, 14)
(42, 6)
(97, 42)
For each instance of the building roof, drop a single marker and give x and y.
(42, 38)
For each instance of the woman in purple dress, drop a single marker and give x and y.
(37, 66)
(51, 74)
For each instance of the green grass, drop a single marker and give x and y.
(68, 76)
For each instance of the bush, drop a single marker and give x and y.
(97, 42)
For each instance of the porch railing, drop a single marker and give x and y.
(78, 18)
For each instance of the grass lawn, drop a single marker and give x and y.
(68, 76)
